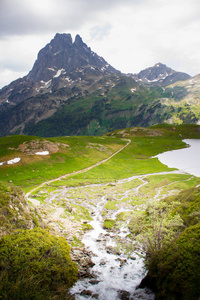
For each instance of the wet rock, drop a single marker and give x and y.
(110, 250)
(69, 208)
(86, 293)
(82, 257)
(102, 262)
(132, 257)
(124, 295)
(98, 240)
(122, 262)
(107, 234)
(94, 281)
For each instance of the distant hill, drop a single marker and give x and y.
(73, 91)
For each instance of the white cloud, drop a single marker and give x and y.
(130, 34)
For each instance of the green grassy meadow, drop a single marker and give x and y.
(158, 208)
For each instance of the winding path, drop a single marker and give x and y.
(78, 172)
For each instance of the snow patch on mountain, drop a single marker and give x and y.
(59, 72)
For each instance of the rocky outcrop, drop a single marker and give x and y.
(39, 146)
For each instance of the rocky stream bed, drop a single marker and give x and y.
(110, 265)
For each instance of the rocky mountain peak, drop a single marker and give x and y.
(155, 73)
(160, 74)
(78, 40)
(62, 56)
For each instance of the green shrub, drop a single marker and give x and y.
(35, 265)
(175, 269)
(108, 224)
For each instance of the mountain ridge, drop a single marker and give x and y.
(72, 91)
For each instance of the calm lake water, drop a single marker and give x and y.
(187, 159)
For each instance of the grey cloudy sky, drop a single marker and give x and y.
(130, 34)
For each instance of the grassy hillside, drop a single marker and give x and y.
(127, 179)
(116, 103)
(69, 154)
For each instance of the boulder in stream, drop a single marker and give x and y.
(124, 295)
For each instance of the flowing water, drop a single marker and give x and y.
(116, 276)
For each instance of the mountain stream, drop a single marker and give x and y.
(116, 276)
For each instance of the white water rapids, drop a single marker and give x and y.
(116, 276)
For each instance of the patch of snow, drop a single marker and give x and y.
(56, 53)
(51, 69)
(2, 163)
(13, 161)
(7, 101)
(46, 84)
(69, 80)
(42, 153)
(59, 72)
(103, 69)
(133, 90)
(92, 68)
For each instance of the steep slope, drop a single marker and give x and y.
(60, 64)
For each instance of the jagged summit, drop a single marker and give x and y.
(63, 56)
(62, 63)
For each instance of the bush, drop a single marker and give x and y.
(108, 224)
(35, 265)
(175, 270)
